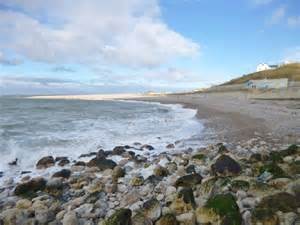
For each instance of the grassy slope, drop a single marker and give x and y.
(291, 71)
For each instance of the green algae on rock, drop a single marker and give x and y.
(226, 207)
(120, 217)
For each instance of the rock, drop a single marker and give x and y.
(54, 186)
(88, 154)
(184, 202)
(236, 185)
(64, 161)
(137, 181)
(226, 209)
(170, 190)
(120, 217)
(169, 146)
(186, 219)
(147, 147)
(171, 167)
(118, 150)
(45, 162)
(29, 188)
(64, 173)
(222, 148)
(207, 216)
(265, 211)
(160, 171)
(226, 166)
(168, 219)
(79, 163)
(14, 162)
(141, 219)
(190, 169)
(101, 163)
(70, 218)
(201, 157)
(274, 169)
(279, 183)
(189, 180)
(118, 172)
(23, 204)
(152, 209)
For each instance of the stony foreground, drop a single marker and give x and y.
(212, 185)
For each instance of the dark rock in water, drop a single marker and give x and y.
(120, 217)
(59, 158)
(147, 147)
(13, 163)
(64, 173)
(188, 196)
(63, 162)
(226, 166)
(88, 154)
(269, 205)
(169, 146)
(1, 173)
(189, 180)
(29, 189)
(190, 169)
(101, 163)
(226, 207)
(79, 163)
(25, 172)
(168, 219)
(45, 162)
(118, 150)
(140, 159)
(127, 147)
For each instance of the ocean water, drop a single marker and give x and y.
(33, 128)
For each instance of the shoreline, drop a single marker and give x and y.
(249, 173)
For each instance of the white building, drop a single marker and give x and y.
(264, 66)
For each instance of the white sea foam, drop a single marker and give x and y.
(31, 129)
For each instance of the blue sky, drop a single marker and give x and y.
(96, 46)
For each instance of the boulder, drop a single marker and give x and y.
(226, 166)
(237, 185)
(45, 162)
(220, 209)
(141, 219)
(188, 180)
(190, 169)
(168, 219)
(118, 172)
(29, 188)
(152, 209)
(147, 147)
(63, 161)
(101, 163)
(160, 171)
(70, 218)
(137, 181)
(184, 203)
(54, 187)
(64, 173)
(120, 217)
(169, 146)
(118, 150)
(274, 169)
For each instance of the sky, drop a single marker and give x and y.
(127, 46)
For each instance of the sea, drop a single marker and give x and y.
(33, 128)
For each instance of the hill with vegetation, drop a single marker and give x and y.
(290, 71)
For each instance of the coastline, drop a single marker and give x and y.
(250, 171)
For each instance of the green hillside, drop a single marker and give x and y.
(290, 71)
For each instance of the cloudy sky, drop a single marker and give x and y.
(100, 46)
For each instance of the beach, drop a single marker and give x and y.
(249, 163)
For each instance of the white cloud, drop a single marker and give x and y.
(277, 15)
(123, 32)
(294, 21)
(9, 62)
